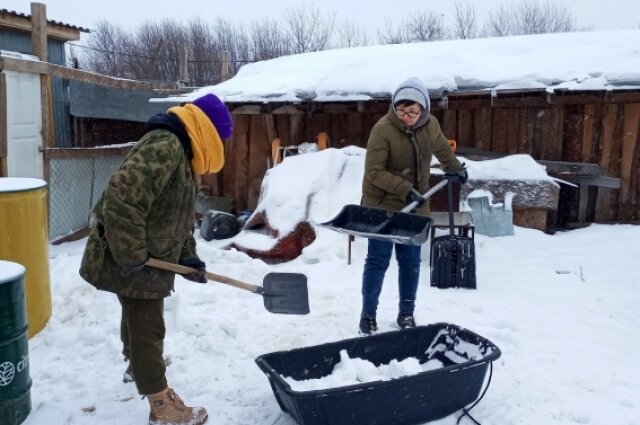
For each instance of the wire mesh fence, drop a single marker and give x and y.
(75, 185)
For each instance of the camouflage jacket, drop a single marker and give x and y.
(146, 210)
(398, 160)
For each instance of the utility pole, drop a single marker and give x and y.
(224, 65)
(183, 68)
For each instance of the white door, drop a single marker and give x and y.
(24, 125)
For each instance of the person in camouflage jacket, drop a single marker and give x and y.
(397, 170)
(147, 211)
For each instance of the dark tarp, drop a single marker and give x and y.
(95, 101)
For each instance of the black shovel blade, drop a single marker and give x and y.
(286, 293)
(376, 223)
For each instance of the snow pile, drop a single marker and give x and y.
(455, 349)
(520, 167)
(562, 309)
(314, 187)
(574, 61)
(311, 187)
(353, 371)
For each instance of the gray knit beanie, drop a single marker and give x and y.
(412, 94)
(414, 90)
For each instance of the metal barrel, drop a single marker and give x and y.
(15, 382)
(24, 239)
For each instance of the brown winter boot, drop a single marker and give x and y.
(168, 409)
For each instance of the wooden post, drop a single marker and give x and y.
(48, 133)
(269, 125)
(39, 44)
(39, 30)
(224, 65)
(183, 69)
(4, 171)
(294, 129)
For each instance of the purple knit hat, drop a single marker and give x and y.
(219, 115)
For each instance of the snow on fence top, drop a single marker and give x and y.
(575, 61)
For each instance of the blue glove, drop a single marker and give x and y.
(195, 263)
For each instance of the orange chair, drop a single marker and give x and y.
(275, 151)
(323, 140)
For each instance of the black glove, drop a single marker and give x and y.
(461, 175)
(195, 263)
(413, 196)
(129, 270)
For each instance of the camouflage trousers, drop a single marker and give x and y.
(142, 333)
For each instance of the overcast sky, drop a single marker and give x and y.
(371, 14)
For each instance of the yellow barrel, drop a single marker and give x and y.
(24, 240)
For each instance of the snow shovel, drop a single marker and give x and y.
(284, 293)
(375, 223)
(453, 257)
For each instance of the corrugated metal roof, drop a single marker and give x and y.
(49, 21)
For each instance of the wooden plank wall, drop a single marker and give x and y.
(606, 133)
(599, 132)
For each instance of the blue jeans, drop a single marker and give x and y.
(375, 267)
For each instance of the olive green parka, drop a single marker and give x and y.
(146, 210)
(399, 158)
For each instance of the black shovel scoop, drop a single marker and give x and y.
(401, 227)
(284, 293)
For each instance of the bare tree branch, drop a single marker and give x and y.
(530, 17)
(268, 40)
(391, 35)
(425, 26)
(465, 25)
(352, 35)
(500, 23)
(309, 29)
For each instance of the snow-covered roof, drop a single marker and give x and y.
(574, 61)
(13, 13)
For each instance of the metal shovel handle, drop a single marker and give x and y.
(177, 268)
(425, 196)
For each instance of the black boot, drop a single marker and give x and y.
(406, 320)
(368, 325)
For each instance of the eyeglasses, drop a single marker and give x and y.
(410, 114)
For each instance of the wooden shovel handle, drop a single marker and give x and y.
(177, 268)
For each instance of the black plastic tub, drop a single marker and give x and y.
(413, 399)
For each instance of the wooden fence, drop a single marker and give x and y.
(569, 127)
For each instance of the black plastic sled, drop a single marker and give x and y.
(374, 223)
(414, 399)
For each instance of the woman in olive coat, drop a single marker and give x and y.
(397, 169)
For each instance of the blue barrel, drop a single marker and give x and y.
(15, 382)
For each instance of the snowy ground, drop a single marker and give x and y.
(562, 308)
